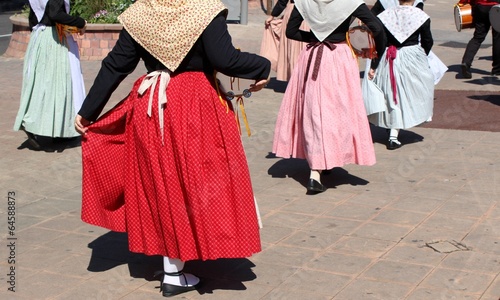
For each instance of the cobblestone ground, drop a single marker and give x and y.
(423, 223)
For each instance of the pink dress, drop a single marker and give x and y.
(281, 51)
(324, 120)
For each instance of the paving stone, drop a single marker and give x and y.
(369, 289)
(456, 280)
(472, 261)
(97, 289)
(275, 234)
(400, 217)
(447, 246)
(333, 225)
(311, 240)
(422, 235)
(493, 291)
(373, 199)
(353, 211)
(362, 246)
(48, 208)
(285, 294)
(284, 219)
(483, 243)
(467, 209)
(310, 207)
(37, 289)
(392, 271)
(416, 254)
(488, 227)
(382, 231)
(449, 222)
(315, 281)
(442, 294)
(340, 263)
(68, 222)
(272, 274)
(220, 290)
(418, 204)
(35, 236)
(283, 255)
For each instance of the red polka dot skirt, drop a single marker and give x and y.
(188, 198)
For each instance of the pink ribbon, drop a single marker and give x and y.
(391, 56)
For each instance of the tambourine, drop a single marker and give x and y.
(233, 87)
(360, 39)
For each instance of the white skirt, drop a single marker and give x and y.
(414, 90)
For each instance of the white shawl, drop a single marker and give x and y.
(393, 3)
(403, 21)
(324, 16)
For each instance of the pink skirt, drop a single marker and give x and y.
(189, 197)
(324, 120)
(282, 52)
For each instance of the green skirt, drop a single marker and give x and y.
(46, 106)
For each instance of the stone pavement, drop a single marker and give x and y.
(423, 223)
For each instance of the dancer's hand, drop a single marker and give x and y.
(371, 74)
(82, 30)
(268, 21)
(259, 85)
(81, 124)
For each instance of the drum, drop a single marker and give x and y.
(360, 39)
(495, 17)
(463, 16)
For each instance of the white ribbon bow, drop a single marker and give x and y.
(150, 81)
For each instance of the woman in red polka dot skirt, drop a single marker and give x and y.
(166, 165)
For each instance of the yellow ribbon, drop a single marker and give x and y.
(239, 102)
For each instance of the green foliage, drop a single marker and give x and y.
(99, 11)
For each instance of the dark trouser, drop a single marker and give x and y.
(481, 19)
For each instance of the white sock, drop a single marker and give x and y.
(393, 135)
(316, 175)
(174, 265)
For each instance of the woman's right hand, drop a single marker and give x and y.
(82, 30)
(81, 124)
(371, 74)
(268, 21)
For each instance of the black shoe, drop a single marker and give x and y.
(493, 73)
(326, 172)
(393, 144)
(466, 71)
(169, 290)
(315, 187)
(32, 139)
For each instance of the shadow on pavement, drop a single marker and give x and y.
(111, 250)
(49, 144)
(298, 169)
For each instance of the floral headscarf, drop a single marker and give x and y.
(168, 29)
